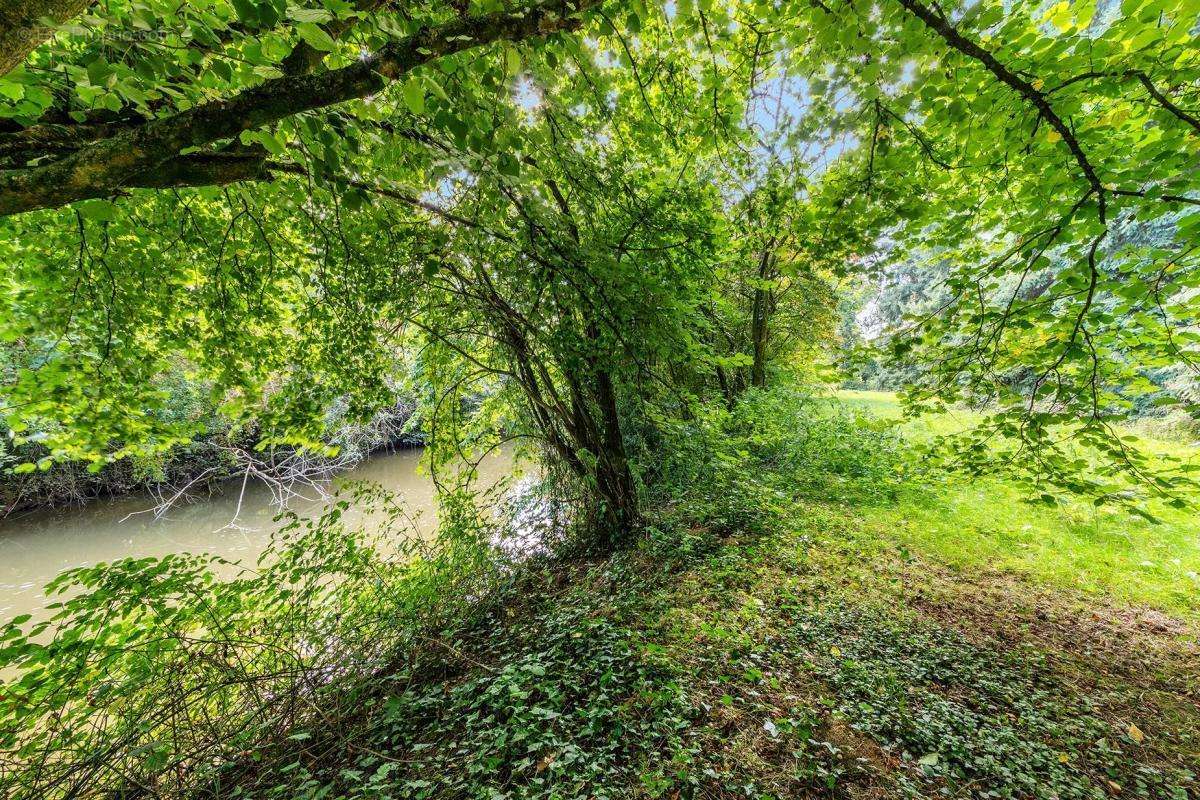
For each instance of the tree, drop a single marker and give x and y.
(164, 129)
(587, 296)
(1023, 131)
(790, 244)
(572, 279)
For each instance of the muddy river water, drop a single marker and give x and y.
(36, 547)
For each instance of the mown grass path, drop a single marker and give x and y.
(986, 524)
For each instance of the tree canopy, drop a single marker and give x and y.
(595, 212)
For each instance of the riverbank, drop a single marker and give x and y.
(227, 520)
(775, 633)
(198, 467)
(814, 658)
(818, 641)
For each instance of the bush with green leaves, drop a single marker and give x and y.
(734, 469)
(819, 445)
(182, 673)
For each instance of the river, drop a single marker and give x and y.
(37, 546)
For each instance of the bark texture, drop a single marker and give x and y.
(24, 24)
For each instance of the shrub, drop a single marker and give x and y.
(183, 672)
(734, 469)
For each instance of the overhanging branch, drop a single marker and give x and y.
(951, 36)
(126, 159)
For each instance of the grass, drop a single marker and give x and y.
(849, 673)
(1153, 437)
(792, 663)
(794, 623)
(986, 524)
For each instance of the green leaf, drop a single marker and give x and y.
(273, 144)
(508, 165)
(316, 36)
(308, 14)
(414, 95)
(247, 12)
(221, 68)
(99, 71)
(512, 61)
(354, 199)
(98, 210)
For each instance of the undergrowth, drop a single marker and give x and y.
(568, 708)
(763, 640)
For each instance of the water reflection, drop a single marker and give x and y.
(36, 547)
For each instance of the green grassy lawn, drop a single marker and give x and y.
(974, 524)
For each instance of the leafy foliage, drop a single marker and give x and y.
(604, 227)
(571, 709)
(651, 205)
(168, 672)
(965, 717)
(773, 447)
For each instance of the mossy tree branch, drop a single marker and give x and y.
(24, 24)
(136, 156)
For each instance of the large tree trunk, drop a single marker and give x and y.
(24, 24)
(619, 514)
(585, 421)
(614, 478)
